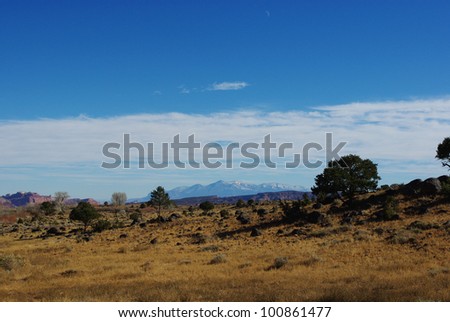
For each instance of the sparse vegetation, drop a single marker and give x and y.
(206, 206)
(84, 212)
(118, 199)
(8, 262)
(218, 259)
(338, 259)
(443, 152)
(390, 209)
(240, 203)
(160, 199)
(349, 175)
(101, 225)
(48, 208)
(60, 198)
(293, 211)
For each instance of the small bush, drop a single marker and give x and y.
(390, 209)
(8, 262)
(136, 217)
(224, 213)
(48, 208)
(206, 206)
(240, 203)
(218, 259)
(421, 225)
(293, 211)
(101, 225)
(446, 190)
(261, 212)
(402, 237)
(211, 248)
(278, 263)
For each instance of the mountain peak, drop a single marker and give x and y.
(223, 188)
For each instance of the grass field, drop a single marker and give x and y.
(201, 257)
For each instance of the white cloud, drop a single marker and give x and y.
(184, 90)
(228, 86)
(401, 136)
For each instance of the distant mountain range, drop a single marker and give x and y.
(223, 189)
(220, 191)
(263, 196)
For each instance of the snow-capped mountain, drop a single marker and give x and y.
(229, 188)
(225, 189)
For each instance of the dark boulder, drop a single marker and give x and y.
(444, 179)
(255, 232)
(53, 231)
(431, 186)
(317, 217)
(413, 188)
(243, 219)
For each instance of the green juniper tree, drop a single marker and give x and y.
(160, 199)
(350, 175)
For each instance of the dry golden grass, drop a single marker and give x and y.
(360, 263)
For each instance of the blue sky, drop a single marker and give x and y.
(92, 63)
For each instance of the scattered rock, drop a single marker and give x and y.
(53, 231)
(379, 231)
(123, 236)
(261, 212)
(243, 219)
(296, 232)
(154, 241)
(317, 217)
(199, 238)
(174, 216)
(255, 232)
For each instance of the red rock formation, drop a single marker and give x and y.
(5, 203)
(20, 199)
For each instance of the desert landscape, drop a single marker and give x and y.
(389, 245)
(265, 152)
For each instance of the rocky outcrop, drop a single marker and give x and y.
(5, 203)
(20, 199)
(430, 186)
